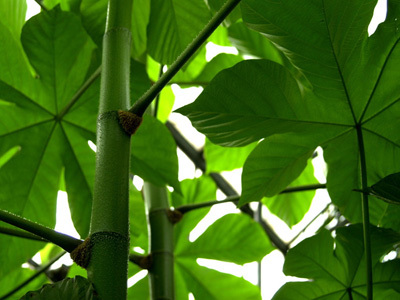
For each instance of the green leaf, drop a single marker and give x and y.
(94, 14)
(250, 42)
(13, 15)
(137, 220)
(291, 207)
(15, 278)
(50, 145)
(193, 191)
(274, 164)
(338, 272)
(215, 6)
(165, 104)
(209, 284)
(154, 155)
(225, 159)
(233, 238)
(173, 25)
(69, 288)
(387, 189)
(239, 105)
(346, 80)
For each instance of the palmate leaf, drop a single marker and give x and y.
(353, 83)
(387, 189)
(48, 145)
(339, 272)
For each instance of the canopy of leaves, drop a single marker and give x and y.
(347, 95)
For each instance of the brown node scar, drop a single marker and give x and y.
(81, 254)
(129, 121)
(174, 216)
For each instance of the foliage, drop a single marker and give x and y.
(307, 74)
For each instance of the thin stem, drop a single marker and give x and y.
(79, 93)
(258, 218)
(40, 3)
(21, 234)
(309, 223)
(38, 272)
(141, 105)
(303, 188)
(189, 207)
(64, 241)
(365, 213)
(157, 102)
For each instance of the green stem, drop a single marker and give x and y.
(40, 3)
(21, 234)
(161, 244)
(79, 93)
(109, 228)
(64, 241)
(141, 105)
(365, 213)
(309, 223)
(38, 272)
(186, 208)
(303, 188)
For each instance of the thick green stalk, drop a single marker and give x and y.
(160, 228)
(109, 230)
(141, 105)
(64, 241)
(365, 213)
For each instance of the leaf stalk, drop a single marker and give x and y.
(68, 243)
(365, 213)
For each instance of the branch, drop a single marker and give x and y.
(141, 105)
(189, 207)
(21, 234)
(40, 3)
(64, 241)
(222, 184)
(39, 271)
(308, 225)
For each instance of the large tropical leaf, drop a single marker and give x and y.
(338, 272)
(351, 91)
(45, 146)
